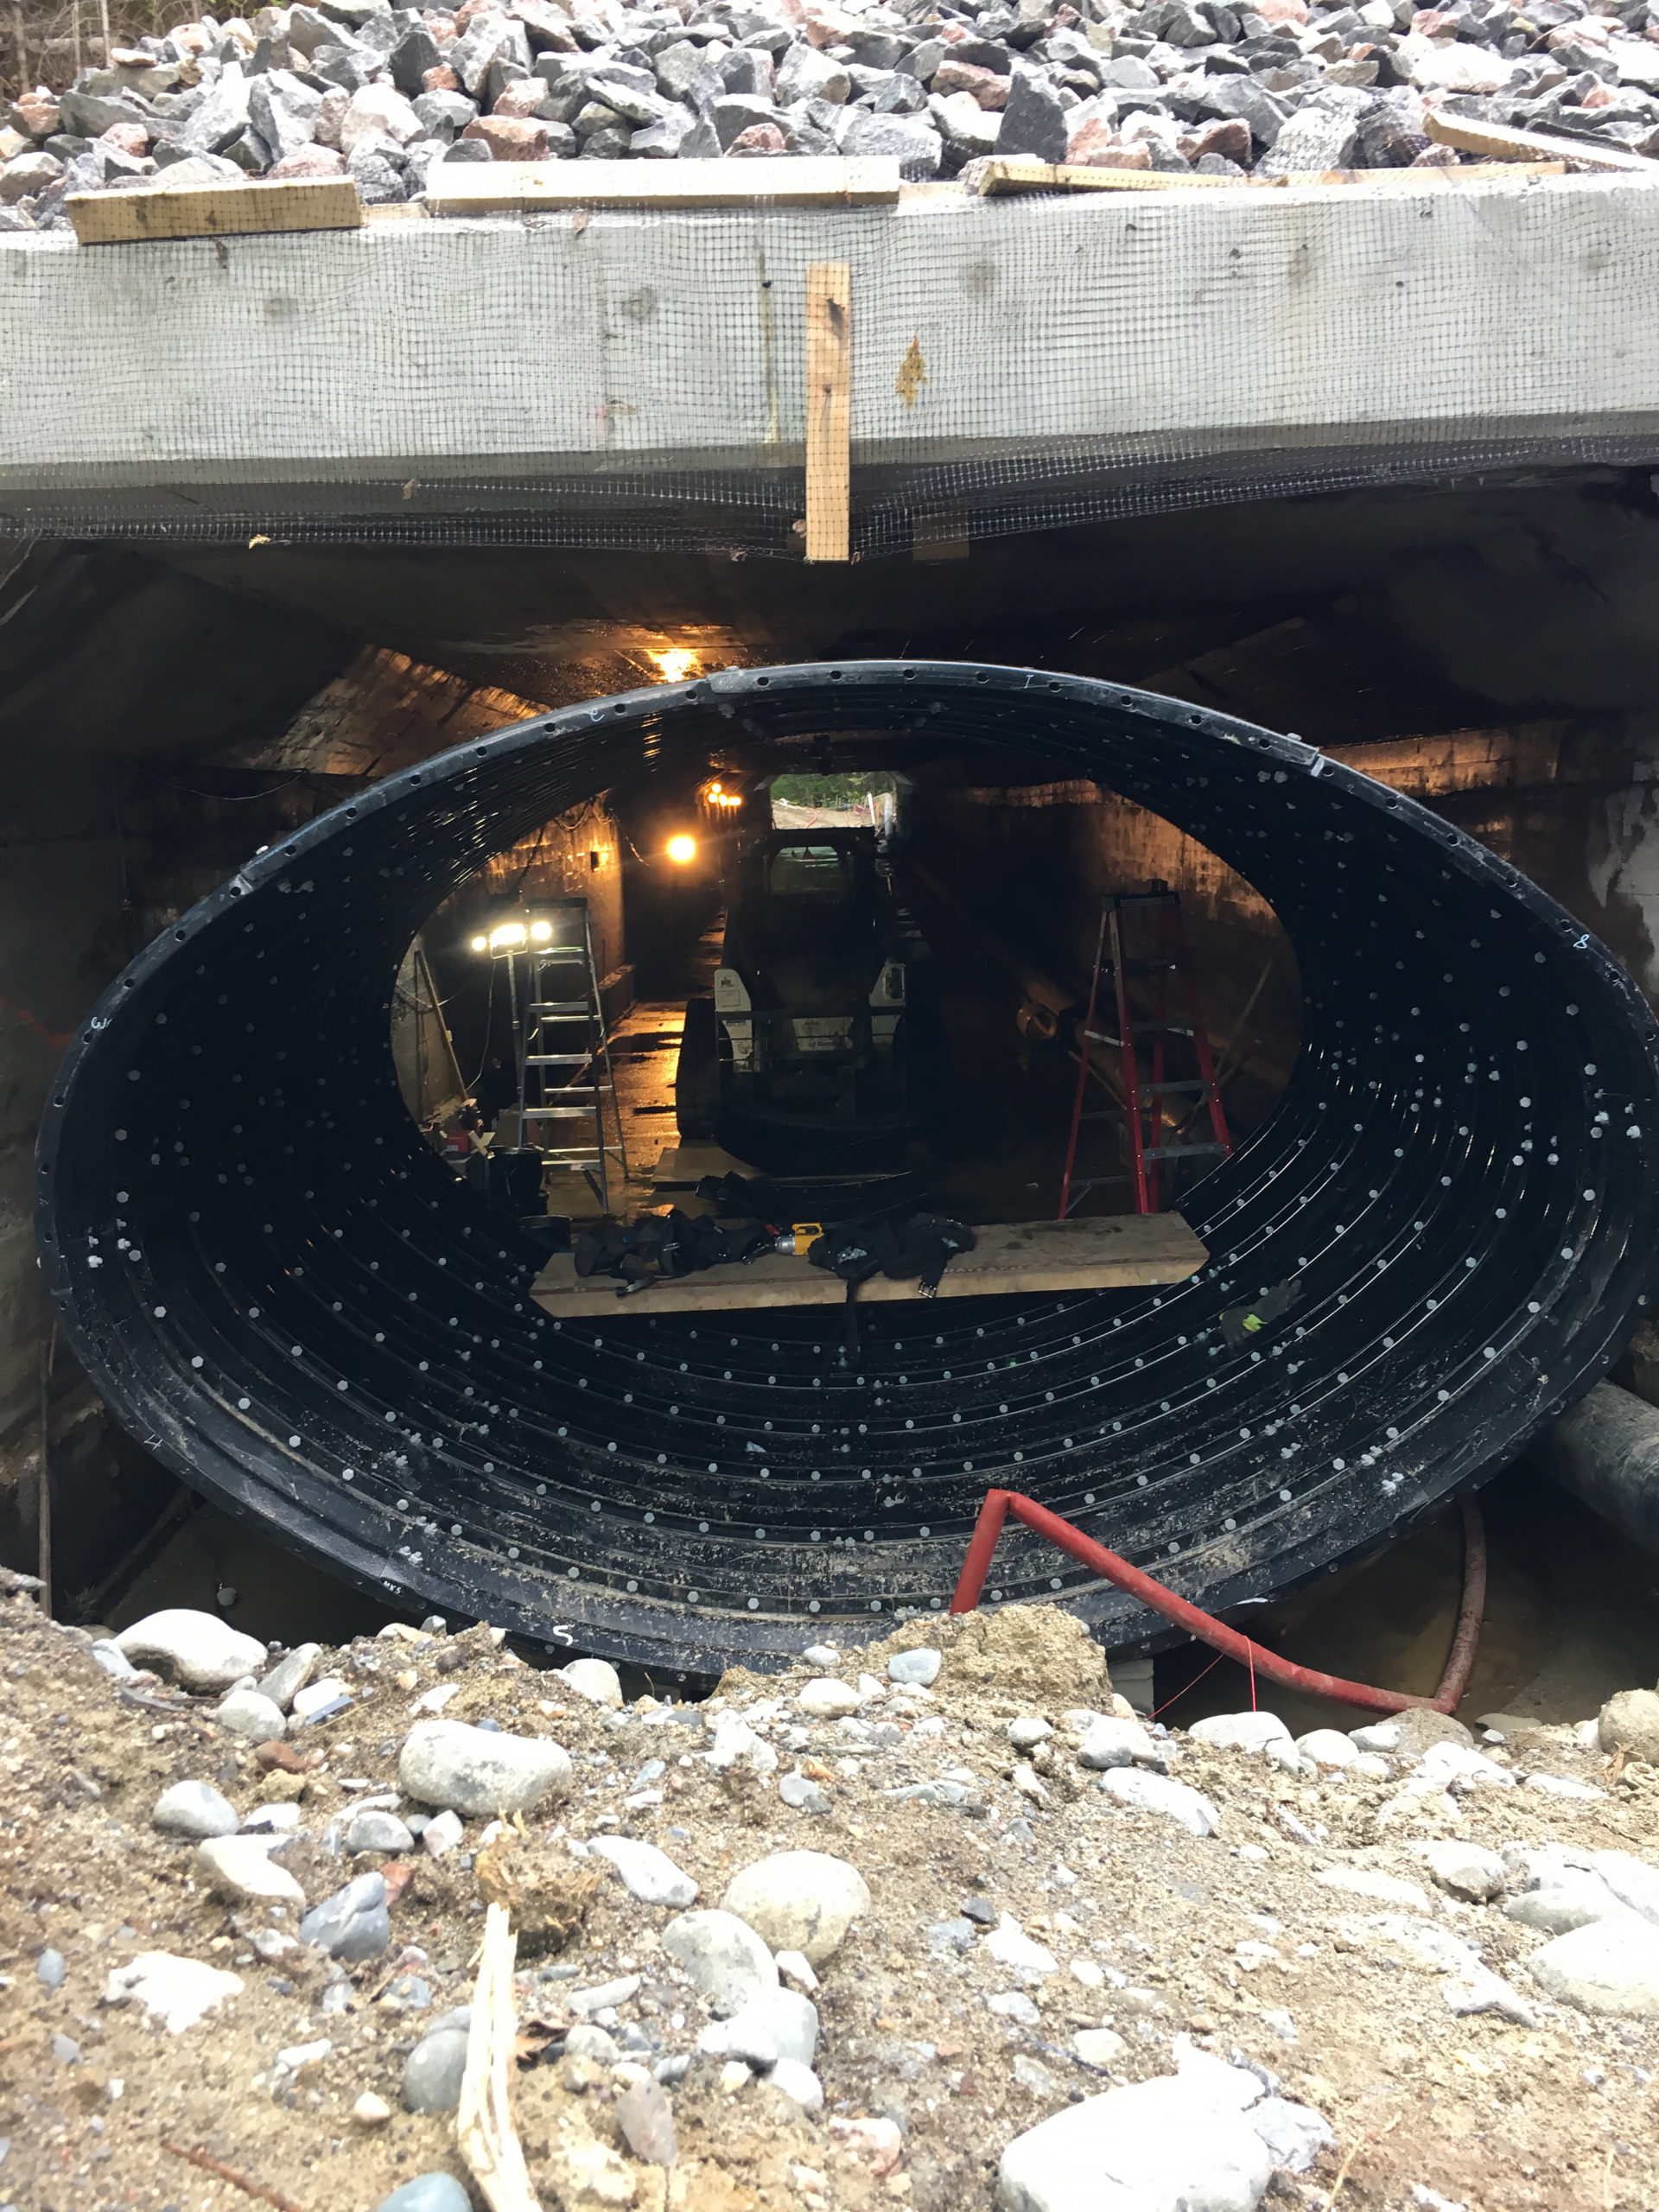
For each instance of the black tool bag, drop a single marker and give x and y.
(915, 1250)
(660, 1247)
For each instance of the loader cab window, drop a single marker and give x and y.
(815, 872)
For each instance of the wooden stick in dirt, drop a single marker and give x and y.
(44, 1523)
(484, 2126)
(221, 2173)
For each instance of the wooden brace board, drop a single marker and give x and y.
(997, 175)
(1511, 146)
(328, 203)
(777, 180)
(828, 410)
(1124, 1251)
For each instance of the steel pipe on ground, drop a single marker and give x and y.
(1606, 1452)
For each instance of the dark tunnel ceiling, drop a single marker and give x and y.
(288, 1296)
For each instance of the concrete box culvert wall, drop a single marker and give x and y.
(1460, 1175)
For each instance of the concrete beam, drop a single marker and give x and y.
(1254, 339)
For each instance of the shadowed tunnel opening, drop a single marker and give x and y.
(286, 1295)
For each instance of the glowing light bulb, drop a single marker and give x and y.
(480, 945)
(540, 932)
(507, 935)
(681, 849)
(674, 667)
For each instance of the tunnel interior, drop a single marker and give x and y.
(1464, 1230)
(277, 1281)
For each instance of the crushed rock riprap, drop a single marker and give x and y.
(357, 88)
(930, 1922)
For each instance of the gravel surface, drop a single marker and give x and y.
(357, 88)
(1423, 1973)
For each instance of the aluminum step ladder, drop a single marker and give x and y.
(564, 1052)
(1141, 945)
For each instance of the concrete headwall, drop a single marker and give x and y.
(1274, 335)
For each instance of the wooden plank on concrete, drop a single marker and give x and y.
(828, 410)
(1497, 140)
(1451, 179)
(1124, 1251)
(778, 180)
(328, 203)
(997, 175)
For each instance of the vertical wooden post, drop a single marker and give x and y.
(22, 47)
(828, 410)
(103, 18)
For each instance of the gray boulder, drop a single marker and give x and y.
(664, 140)
(353, 1923)
(806, 74)
(433, 2069)
(485, 37)
(681, 66)
(308, 29)
(446, 115)
(379, 178)
(801, 1901)
(733, 113)
(910, 140)
(433, 2192)
(212, 128)
(1610, 1966)
(1160, 2143)
(278, 90)
(1313, 139)
(1629, 1723)
(376, 1830)
(197, 1649)
(27, 174)
(195, 1809)
(780, 2019)
(480, 1772)
(722, 1957)
(245, 1711)
(415, 52)
(88, 115)
(1033, 122)
(1242, 96)
(647, 1873)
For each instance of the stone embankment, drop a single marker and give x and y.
(359, 88)
(937, 1921)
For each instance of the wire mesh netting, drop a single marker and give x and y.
(637, 380)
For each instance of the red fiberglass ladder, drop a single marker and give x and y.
(1142, 946)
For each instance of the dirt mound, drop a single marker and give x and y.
(547, 1896)
(1015, 1659)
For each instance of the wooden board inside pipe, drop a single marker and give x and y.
(1120, 1251)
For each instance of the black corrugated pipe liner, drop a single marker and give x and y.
(291, 1300)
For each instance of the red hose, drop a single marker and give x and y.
(1460, 1660)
